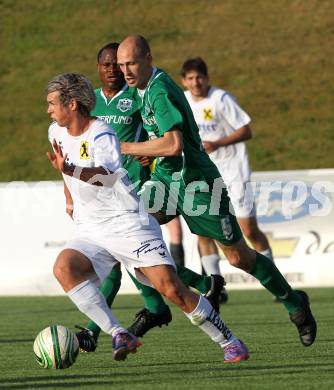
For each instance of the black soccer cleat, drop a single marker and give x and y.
(87, 342)
(145, 320)
(217, 292)
(223, 296)
(304, 321)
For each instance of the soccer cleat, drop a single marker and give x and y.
(235, 352)
(124, 343)
(223, 296)
(87, 342)
(217, 288)
(145, 320)
(304, 321)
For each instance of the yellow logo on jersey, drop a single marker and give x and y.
(208, 115)
(84, 150)
(153, 164)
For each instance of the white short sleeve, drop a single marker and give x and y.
(107, 151)
(233, 113)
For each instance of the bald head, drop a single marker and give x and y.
(137, 43)
(135, 60)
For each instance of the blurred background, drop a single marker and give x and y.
(275, 57)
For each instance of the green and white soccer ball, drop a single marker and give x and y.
(56, 347)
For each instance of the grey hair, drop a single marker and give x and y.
(74, 86)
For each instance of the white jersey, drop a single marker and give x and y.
(109, 223)
(98, 146)
(217, 116)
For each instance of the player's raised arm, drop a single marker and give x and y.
(169, 145)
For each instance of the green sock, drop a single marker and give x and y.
(109, 289)
(266, 272)
(153, 300)
(190, 278)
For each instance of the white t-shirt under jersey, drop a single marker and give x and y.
(98, 147)
(217, 116)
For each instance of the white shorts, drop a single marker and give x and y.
(102, 261)
(239, 187)
(142, 248)
(242, 199)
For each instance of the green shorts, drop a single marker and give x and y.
(203, 204)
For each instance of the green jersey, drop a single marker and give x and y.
(163, 107)
(121, 112)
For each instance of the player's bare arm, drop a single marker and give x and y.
(170, 144)
(240, 135)
(69, 201)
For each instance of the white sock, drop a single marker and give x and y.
(211, 264)
(207, 319)
(268, 253)
(92, 303)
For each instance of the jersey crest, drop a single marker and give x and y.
(207, 114)
(84, 155)
(124, 104)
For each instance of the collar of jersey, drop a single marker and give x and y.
(155, 73)
(125, 87)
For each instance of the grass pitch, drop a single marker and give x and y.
(175, 357)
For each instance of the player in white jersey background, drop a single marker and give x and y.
(224, 127)
(108, 224)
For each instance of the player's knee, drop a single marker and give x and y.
(235, 259)
(241, 256)
(58, 269)
(63, 266)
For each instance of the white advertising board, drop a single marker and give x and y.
(295, 210)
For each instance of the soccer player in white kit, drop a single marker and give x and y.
(110, 224)
(224, 128)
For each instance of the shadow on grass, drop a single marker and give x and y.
(174, 371)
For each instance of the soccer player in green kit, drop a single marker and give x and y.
(116, 106)
(167, 115)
